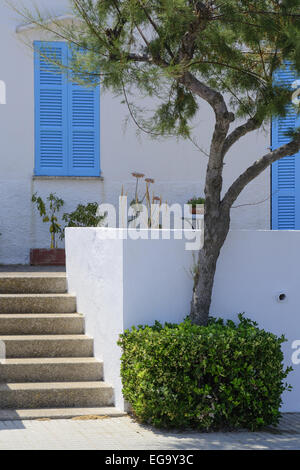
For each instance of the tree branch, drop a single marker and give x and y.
(257, 168)
(237, 69)
(213, 97)
(138, 58)
(223, 117)
(251, 125)
(85, 15)
(213, 184)
(155, 27)
(202, 16)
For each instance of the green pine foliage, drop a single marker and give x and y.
(146, 46)
(220, 376)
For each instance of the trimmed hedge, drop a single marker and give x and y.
(220, 376)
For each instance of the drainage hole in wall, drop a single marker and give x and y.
(281, 297)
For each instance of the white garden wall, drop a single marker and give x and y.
(120, 283)
(178, 168)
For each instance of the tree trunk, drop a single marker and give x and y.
(215, 233)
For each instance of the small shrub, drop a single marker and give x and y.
(83, 216)
(220, 376)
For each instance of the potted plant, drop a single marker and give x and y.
(48, 211)
(197, 205)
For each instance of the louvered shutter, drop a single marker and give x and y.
(51, 103)
(285, 172)
(84, 129)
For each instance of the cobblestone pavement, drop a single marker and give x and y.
(125, 434)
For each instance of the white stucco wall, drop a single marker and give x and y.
(177, 167)
(121, 283)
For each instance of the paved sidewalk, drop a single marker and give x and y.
(125, 434)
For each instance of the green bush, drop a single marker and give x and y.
(220, 376)
(83, 216)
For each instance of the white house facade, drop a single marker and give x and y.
(57, 137)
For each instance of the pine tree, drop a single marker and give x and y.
(180, 52)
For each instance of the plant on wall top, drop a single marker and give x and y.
(48, 211)
(196, 205)
(151, 202)
(194, 201)
(83, 216)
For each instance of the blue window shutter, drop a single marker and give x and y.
(51, 103)
(285, 172)
(84, 130)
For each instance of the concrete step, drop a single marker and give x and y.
(47, 346)
(49, 371)
(37, 303)
(83, 369)
(55, 395)
(61, 413)
(33, 283)
(41, 323)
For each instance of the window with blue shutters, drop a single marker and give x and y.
(67, 117)
(285, 172)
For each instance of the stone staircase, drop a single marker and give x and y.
(49, 371)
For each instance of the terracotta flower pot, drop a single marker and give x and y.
(47, 257)
(199, 209)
